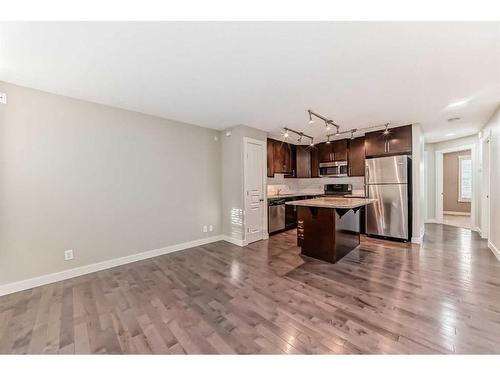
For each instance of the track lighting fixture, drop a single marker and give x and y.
(312, 142)
(328, 139)
(329, 126)
(328, 122)
(301, 135)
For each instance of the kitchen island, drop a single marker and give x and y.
(328, 228)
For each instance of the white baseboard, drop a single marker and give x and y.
(483, 235)
(494, 249)
(83, 270)
(456, 213)
(432, 221)
(419, 239)
(234, 241)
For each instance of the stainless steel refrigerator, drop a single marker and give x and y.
(388, 179)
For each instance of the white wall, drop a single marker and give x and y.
(430, 183)
(493, 126)
(102, 181)
(233, 203)
(418, 184)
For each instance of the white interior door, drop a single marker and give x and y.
(254, 170)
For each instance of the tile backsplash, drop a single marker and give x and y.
(311, 185)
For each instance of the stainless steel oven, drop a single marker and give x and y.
(333, 169)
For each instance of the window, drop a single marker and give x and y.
(464, 179)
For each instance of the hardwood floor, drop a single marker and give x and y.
(457, 221)
(219, 298)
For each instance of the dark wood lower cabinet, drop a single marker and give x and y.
(324, 234)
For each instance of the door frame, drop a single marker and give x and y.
(439, 182)
(246, 141)
(485, 185)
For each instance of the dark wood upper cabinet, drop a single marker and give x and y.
(375, 143)
(398, 141)
(340, 149)
(357, 157)
(270, 157)
(303, 161)
(325, 152)
(291, 164)
(284, 158)
(315, 161)
(333, 151)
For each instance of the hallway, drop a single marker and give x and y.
(461, 221)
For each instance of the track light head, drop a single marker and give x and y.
(311, 121)
(328, 139)
(386, 131)
(312, 142)
(352, 133)
(286, 133)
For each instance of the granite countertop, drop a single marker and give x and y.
(291, 195)
(327, 202)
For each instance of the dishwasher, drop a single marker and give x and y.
(276, 215)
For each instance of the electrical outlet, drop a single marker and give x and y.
(68, 254)
(205, 229)
(210, 228)
(3, 98)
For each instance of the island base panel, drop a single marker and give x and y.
(323, 234)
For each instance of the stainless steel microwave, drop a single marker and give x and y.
(333, 169)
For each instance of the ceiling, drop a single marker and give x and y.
(266, 75)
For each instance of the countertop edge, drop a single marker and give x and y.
(312, 203)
